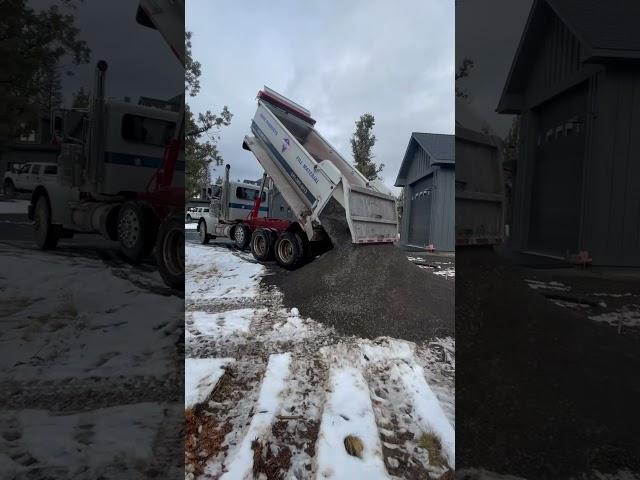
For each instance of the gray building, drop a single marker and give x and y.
(575, 82)
(427, 175)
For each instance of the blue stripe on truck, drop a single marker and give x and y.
(274, 151)
(247, 207)
(137, 160)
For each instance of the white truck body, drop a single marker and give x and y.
(308, 172)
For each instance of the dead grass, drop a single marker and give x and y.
(432, 444)
(203, 438)
(265, 462)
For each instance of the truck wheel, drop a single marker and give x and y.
(135, 230)
(262, 244)
(289, 250)
(242, 236)
(170, 251)
(9, 189)
(47, 234)
(202, 232)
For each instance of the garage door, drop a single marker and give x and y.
(557, 179)
(420, 214)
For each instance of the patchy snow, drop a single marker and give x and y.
(327, 374)
(103, 326)
(446, 272)
(627, 316)
(191, 226)
(214, 272)
(86, 442)
(538, 285)
(14, 206)
(348, 411)
(429, 411)
(266, 408)
(201, 375)
(224, 323)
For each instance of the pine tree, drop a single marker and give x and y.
(362, 142)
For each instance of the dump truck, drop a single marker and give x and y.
(314, 181)
(116, 168)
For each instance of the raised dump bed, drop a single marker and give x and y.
(309, 172)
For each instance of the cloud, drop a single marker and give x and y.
(339, 59)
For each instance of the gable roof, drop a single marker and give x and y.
(607, 30)
(439, 146)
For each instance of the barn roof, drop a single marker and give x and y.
(439, 146)
(606, 31)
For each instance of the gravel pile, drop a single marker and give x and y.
(368, 290)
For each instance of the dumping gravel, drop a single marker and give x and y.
(368, 290)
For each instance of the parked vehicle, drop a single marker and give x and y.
(194, 213)
(308, 174)
(25, 177)
(116, 168)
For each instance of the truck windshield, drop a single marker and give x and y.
(150, 131)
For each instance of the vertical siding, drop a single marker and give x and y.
(443, 235)
(557, 58)
(612, 213)
(419, 165)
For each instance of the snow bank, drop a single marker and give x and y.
(201, 375)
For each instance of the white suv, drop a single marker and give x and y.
(25, 177)
(194, 213)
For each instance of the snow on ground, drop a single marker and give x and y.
(224, 323)
(14, 206)
(348, 412)
(88, 346)
(200, 377)
(539, 285)
(191, 226)
(219, 274)
(446, 272)
(294, 381)
(103, 326)
(627, 316)
(266, 408)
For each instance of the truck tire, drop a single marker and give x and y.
(289, 250)
(202, 232)
(9, 189)
(262, 244)
(170, 251)
(136, 233)
(47, 234)
(242, 236)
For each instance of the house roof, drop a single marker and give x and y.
(606, 31)
(439, 146)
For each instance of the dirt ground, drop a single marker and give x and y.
(368, 290)
(542, 390)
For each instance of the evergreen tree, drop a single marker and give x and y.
(362, 142)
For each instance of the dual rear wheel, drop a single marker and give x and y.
(288, 248)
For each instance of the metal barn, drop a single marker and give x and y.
(427, 174)
(575, 82)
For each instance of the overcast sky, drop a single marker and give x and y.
(140, 62)
(338, 59)
(488, 32)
